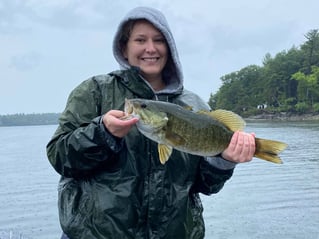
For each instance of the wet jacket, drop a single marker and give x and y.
(117, 188)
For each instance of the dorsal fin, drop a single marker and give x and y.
(228, 118)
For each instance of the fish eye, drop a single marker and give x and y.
(143, 105)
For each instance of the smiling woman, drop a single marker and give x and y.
(112, 182)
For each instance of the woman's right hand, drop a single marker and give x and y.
(117, 126)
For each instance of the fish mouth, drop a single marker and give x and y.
(132, 110)
(128, 110)
(128, 107)
(135, 109)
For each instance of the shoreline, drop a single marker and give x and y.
(283, 116)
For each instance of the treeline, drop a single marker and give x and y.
(287, 82)
(29, 119)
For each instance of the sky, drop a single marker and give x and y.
(48, 47)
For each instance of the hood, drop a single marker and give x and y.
(172, 73)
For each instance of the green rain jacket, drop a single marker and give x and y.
(117, 188)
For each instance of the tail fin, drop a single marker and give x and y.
(269, 149)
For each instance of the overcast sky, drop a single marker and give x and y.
(47, 47)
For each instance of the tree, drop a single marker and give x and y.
(308, 87)
(286, 82)
(311, 50)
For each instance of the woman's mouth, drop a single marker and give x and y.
(150, 59)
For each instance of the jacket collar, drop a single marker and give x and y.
(132, 80)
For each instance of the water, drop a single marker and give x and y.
(262, 200)
(28, 184)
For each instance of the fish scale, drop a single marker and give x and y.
(198, 137)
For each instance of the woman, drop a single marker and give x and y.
(112, 182)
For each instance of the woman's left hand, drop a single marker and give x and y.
(241, 148)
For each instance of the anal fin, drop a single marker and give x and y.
(164, 152)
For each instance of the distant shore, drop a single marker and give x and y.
(52, 118)
(285, 117)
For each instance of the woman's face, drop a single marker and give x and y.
(147, 49)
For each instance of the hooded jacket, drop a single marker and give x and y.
(117, 188)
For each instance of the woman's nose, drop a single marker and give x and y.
(150, 46)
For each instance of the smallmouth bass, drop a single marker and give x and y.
(204, 133)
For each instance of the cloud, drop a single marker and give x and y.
(50, 44)
(26, 62)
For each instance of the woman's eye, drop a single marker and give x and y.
(160, 40)
(140, 40)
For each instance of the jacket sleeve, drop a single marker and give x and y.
(211, 178)
(81, 143)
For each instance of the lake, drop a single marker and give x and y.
(262, 200)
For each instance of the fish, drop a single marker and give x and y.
(203, 133)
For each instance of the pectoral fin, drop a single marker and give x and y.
(174, 139)
(164, 152)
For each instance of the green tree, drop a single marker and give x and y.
(277, 76)
(308, 87)
(239, 91)
(310, 51)
(286, 82)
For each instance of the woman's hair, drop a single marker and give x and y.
(125, 33)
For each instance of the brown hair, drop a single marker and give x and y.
(125, 34)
